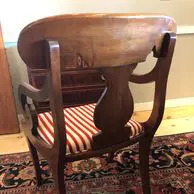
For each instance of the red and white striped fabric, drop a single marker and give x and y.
(79, 128)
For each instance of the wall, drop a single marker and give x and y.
(14, 15)
(174, 8)
(180, 80)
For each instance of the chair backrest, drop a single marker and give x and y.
(94, 40)
(107, 43)
(88, 41)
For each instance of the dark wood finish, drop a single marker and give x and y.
(8, 115)
(83, 38)
(114, 106)
(144, 151)
(35, 162)
(111, 46)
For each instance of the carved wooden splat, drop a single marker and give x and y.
(114, 108)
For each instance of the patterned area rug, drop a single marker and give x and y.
(171, 170)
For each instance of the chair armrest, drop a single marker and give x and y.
(25, 91)
(159, 75)
(148, 77)
(34, 93)
(161, 78)
(145, 78)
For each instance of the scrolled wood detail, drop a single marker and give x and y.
(80, 62)
(114, 108)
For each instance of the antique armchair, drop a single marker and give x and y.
(78, 103)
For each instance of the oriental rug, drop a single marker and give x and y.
(171, 171)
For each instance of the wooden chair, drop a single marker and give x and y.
(108, 47)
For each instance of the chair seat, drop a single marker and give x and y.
(79, 128)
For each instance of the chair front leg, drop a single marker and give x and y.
(144, 151)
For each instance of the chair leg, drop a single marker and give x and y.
(110, 157)
(57, 168)
(144, 151)
(35, 162)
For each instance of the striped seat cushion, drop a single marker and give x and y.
(79, 128)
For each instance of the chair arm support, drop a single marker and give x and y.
(141, 79)
(148, 77)
(25, 91)
(34, 93)
(161, 78)
(52, 56)
(153, 122)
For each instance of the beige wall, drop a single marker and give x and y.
(181, 77)
(14, 15)
(174, 8)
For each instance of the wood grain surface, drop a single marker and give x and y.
(82, 38)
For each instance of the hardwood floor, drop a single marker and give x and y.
(176, 120)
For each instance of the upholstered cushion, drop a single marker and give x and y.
(79, 128)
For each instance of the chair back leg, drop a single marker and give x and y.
(35, 162)
(144, 151)
(57, 167)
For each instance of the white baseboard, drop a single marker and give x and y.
(185, 30)
(169, 103)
